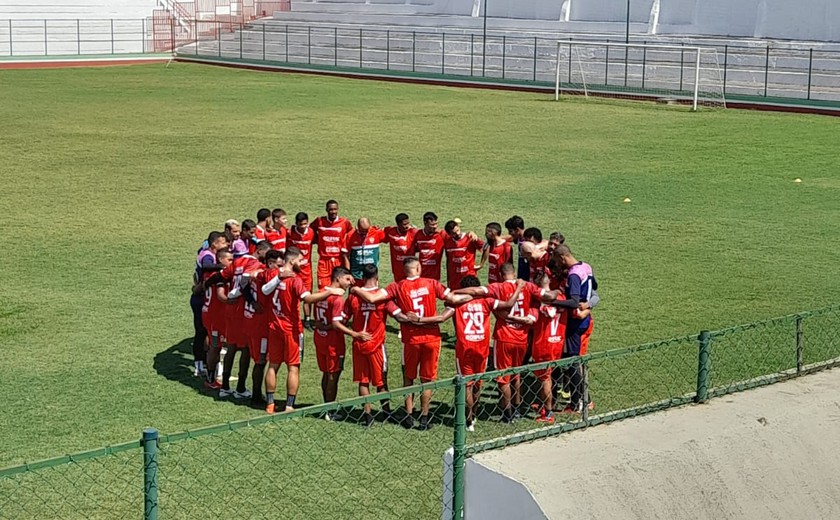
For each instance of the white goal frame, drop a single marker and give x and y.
(698, 51)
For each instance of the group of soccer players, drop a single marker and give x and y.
(252, 282)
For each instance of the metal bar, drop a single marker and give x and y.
(287, 43)
(413, 50)
(11, 51)
(472, 52)
(78, 37)
(504, 55)
(725, 66)
(682, 64)
(697, 80)
(570, 59)
(241, 31)
(45, 39)
(388, 49)
(799, 345)
(810, 70)
(443, 53)
(309, 44)
(644, 64)
(263, 41)
(766, 69)
(535, 57)
(557, 73)
(150, 474)
(459, 445)
(703, 366)
(484, 41)
(112, 36)
(219, 36)
(585, 394)
(361, 65)
(607, 62)
(335, 46)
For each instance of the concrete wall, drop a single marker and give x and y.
(609, 10)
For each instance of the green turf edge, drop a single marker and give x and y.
(485, 81)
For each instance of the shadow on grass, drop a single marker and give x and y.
(176, 364)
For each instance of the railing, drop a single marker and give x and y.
(250, 468)
(763, 71)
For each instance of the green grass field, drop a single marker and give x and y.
(112, 177)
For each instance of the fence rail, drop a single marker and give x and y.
(373, 466)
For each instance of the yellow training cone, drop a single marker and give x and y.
(797, 180)
(626, 199)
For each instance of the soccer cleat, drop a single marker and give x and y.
(368, 420)
(225, 392)
(212, 385)
(546, 419)
(245, 394)
(424, 423)
(308, 324)
(507, 416)
(258, 401)
(572, 410)
(269, 409)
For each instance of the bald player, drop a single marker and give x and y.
(363, 248)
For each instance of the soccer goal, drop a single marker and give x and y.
(664, 73)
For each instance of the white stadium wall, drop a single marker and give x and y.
(817, 20)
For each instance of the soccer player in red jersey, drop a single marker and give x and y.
(428, 245)
(213, 316)
(370, 359)
(235, 278)
(460, 251)
(330, 347)
(534, 250)
(276, 234)
(497, 251)
(263, 224)
(205, 265)
(331, 236)
(421, 344)
(285, 331)
(363, 248)
(257, 313)
(510, 334)
(549, 337)
(301, 236)
(472, 337)
(400, 239)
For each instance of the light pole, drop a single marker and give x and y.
(484, 40)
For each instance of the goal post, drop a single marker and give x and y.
(665, 73)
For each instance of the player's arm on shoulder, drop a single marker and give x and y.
(457, 299)
(370, 296)
(475, 292)
(220, 294)
(431, 320)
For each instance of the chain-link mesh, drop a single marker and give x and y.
(106, 486)
(382, 465)
(321, 462)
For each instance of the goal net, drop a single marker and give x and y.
(665, 73)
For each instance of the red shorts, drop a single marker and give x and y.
(325, 269)
(584, 338)
(370, 369)
(423, 355)
(211, 323)
(543, 352)
(469, 361)
(258, 345)
(284, 347)
(235, 331)
(508, 355)
(330, 357)
(306, 277)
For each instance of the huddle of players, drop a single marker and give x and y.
(253, 282)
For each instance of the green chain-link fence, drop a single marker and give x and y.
(302, 465)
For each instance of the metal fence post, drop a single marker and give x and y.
(388, 49)
(682, 64)
(504, 54)
(45, 39)
(263, 41)
(644, 63)
(585, 379)
(309, 45)
(725, 65)
(413, 50)
(287, 43)
(607, 64)
(703, 366)
(335, 46)
(442, 54)
(472, 52)
(536, 44)
(150, 474)
(766, 69)
(11, 51)
(810, 71)
(799, 344)
(459, 445)
(241, 31)
(112, 36)
(78, 37)
(570, 59)
(361, 42)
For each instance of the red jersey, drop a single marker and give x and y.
(496, 257)
(401, 248)
(232, 275)
(331, 236)
(259, 234)
(429, 249)
(326, 312)
(460, 258)
(257, 321)
(363, 250)
(505, 330)
(277, 238)
(539, 265)
(550, 328)
(418, 295)
(370, 318)
(212, 307)
(303, 241)
(285, 303)
(472, 325)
